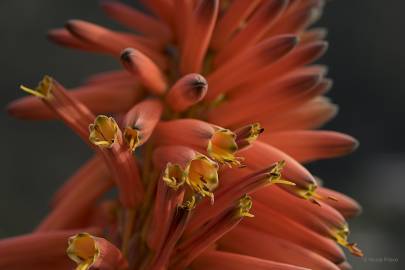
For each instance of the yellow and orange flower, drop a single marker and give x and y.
(203, 134)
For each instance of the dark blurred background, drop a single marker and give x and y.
(366, 61)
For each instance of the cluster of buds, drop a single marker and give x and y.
(200, 183)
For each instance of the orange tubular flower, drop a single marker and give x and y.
(211, 120)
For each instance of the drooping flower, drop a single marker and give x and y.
(203, 134)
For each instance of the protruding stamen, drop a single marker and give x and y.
(310, 194)
(131, 137)
(341, 236)
(174, 176)
(275, 175)
(202, 175)
(83, 250)
(103, 132)
(43, 90)
(244, 206)
(222, 147)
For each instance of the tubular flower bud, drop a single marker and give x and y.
(197, 78)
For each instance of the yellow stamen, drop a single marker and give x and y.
(254, 132)
(244, 206)
(189, 203)
(275, 175)
(341, 235)
(222, 147)
(174, 176)
(83, 250)
(310, 194)
(43, 90)
(202, 175)
(131, 137)
(103, 132)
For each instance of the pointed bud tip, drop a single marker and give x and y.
(126, 54)
(72, 24)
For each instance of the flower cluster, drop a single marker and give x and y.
(203, 134)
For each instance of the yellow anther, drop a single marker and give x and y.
(340, 235)
(202, 175)
(103, 132)
(83, 250)
(222, 147)
(131, 137)
(254, 132)
(309, 193)
(174, 176)
(275, 175)
(244, 206)
(43, 90)
(190, 203)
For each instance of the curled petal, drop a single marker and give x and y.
(202, 175)
(103, 132)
